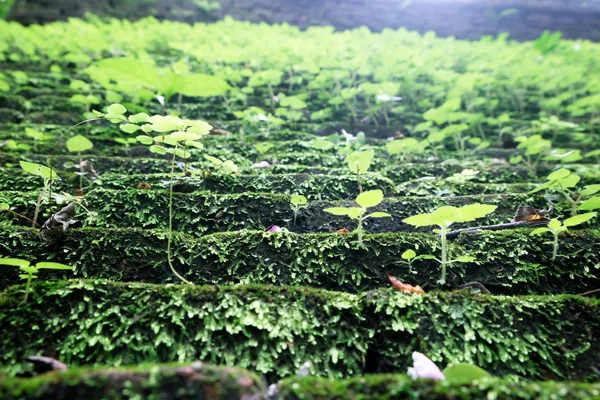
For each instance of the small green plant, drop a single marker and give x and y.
(262, 148)
(365, 200)
(410, 256)
(227, 166)
(444, 217)
(298, 202)
(359, 163)
(30, 272)
(564, 182)
(534, 149)
(78, 144)
(556, 228)
(464, 176)
(406, 148)
(48, 175)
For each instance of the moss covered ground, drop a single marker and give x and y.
(443, 122)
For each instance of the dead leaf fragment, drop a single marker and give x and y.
(405, 287)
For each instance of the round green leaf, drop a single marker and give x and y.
(157, 149)
(116, 109)
(298, 200)
(590, 190)
(559, 174)
(129, 128)
(370, 198)
(143, 139)
(139, 118)
(180, 136)
(419, 220)
(79, 144)
(4, 206)
(464, 259)
(409, 254)
(539, 231)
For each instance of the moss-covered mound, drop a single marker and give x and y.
(385, 387)
(509, 261)
(274, 330)
(195, 381)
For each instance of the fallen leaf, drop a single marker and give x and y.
(405, 287)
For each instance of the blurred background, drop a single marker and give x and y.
(465, 19)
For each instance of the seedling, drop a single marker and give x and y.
(535, 147)
(78, 144)
(176, 136)
(410, 256)
(359, 163)
(564, 182)
(226, 166)
(298, 202)
(464, 176)
(444, 217)
(556, 228)
(406, 148)
(30, 272)
(262, 148)
(48, 175)
(365, 200)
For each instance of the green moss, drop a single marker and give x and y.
(385, 387)
(204, 212)
(175, 381)
(507, 262)
(274, 330)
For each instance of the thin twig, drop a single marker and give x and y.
(590, 292)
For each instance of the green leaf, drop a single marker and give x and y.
(542, 186)
(554, 224)
(465, 259)
(474, 211)
(39, 170)
(29, 269)
(370, 198)
(131, 72)
(380, 214)
(408, 254)
(198, 127)
(147, 128)
(181, 136)
(293, 102)
(213, 160)
(590, 204)
(116, 109)
(79, 144)
(539, 231)
(337, 210)
(463, 373)
(298, 200)
(360, 161)
(445, 215)
(139, 118)
(579, 219)
(143, 139)
(53, 265)
(419, 220)
(27, 276)
(157, 149)
(129, 128)
(355, 212)
(590, 190)
(15, 262)
(559, 174)
(179, 152)
(167, 123)
(192, 143)
(568, 182)
(4, 206)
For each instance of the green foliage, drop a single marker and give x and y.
(298, 202)
(371, 198)
(464, 374)
(132, 323)
(30, 272)
(445, 216)
(556, 228)
(564, 182)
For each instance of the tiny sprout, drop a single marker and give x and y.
(556, 228)
(365, 200)
(30, 272)
(298, 202)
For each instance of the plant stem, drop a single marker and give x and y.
(34, 224)
(171, 223)
(444, 254)
(80, 170)
(555, 243)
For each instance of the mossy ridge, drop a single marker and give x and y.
(509, 262)
(205, 212)
(274, 330)
(156, 382)
(386, 387)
